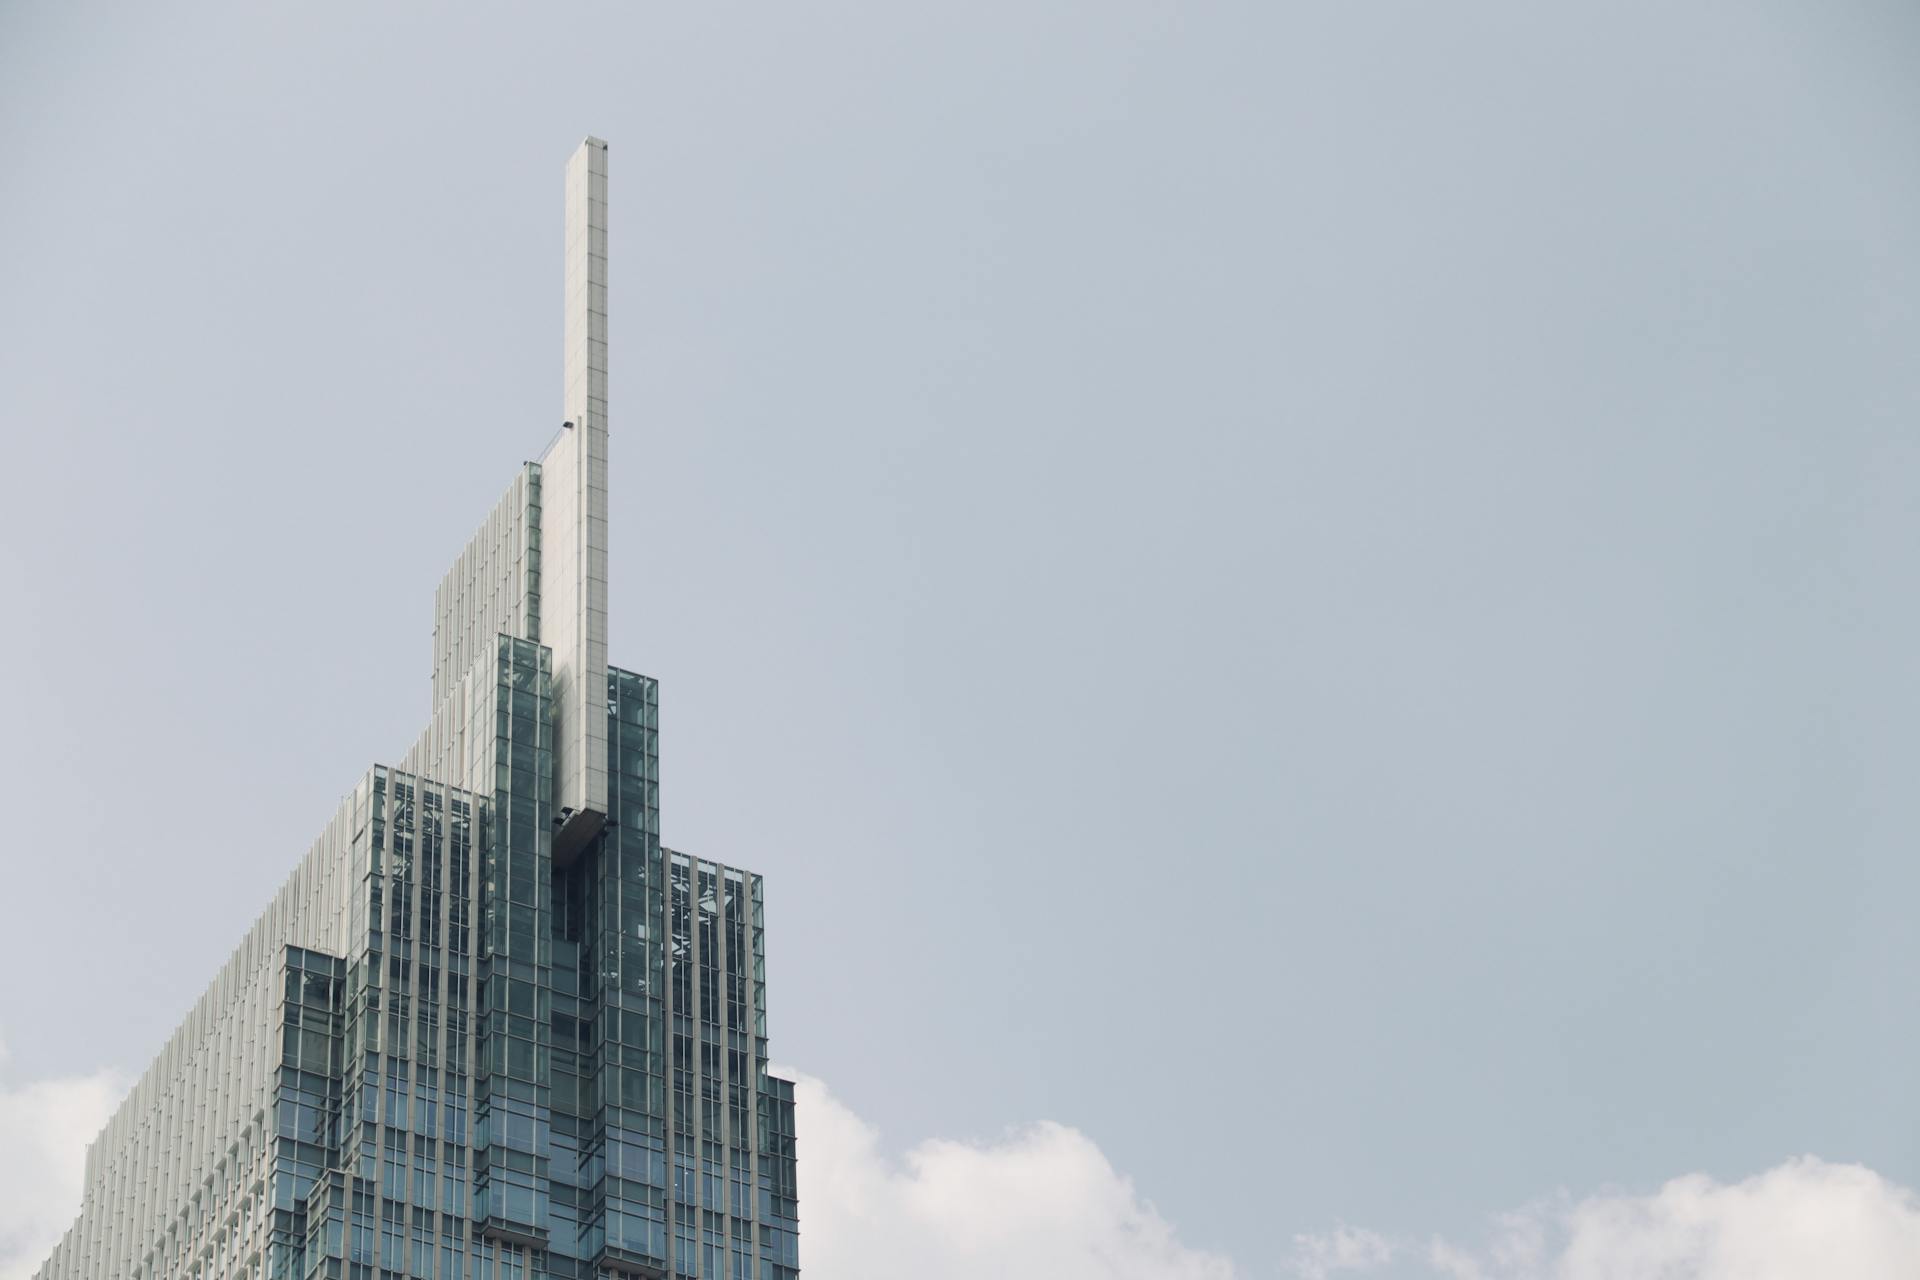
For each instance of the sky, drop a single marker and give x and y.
(1307, 607)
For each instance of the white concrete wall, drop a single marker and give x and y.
(574, 510)
(491, 589)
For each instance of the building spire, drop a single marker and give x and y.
(585, 397)
(574, 517)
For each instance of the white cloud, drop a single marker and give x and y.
(1042, 1203)
(1804, 1218)
(45, 1126)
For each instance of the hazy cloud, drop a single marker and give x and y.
(44, 1130)
(1803, 1218)
(1040, 1203)
(1317, 1257)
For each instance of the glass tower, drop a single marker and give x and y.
(491, 1028)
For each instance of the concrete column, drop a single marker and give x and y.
(574, 518)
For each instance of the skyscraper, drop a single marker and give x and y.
(490, 1027)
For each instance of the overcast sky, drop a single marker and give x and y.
(1309, 608)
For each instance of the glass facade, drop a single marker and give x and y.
(514, 1068)
(524, 1070)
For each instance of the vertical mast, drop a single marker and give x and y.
(574, 518)
(586, 315)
